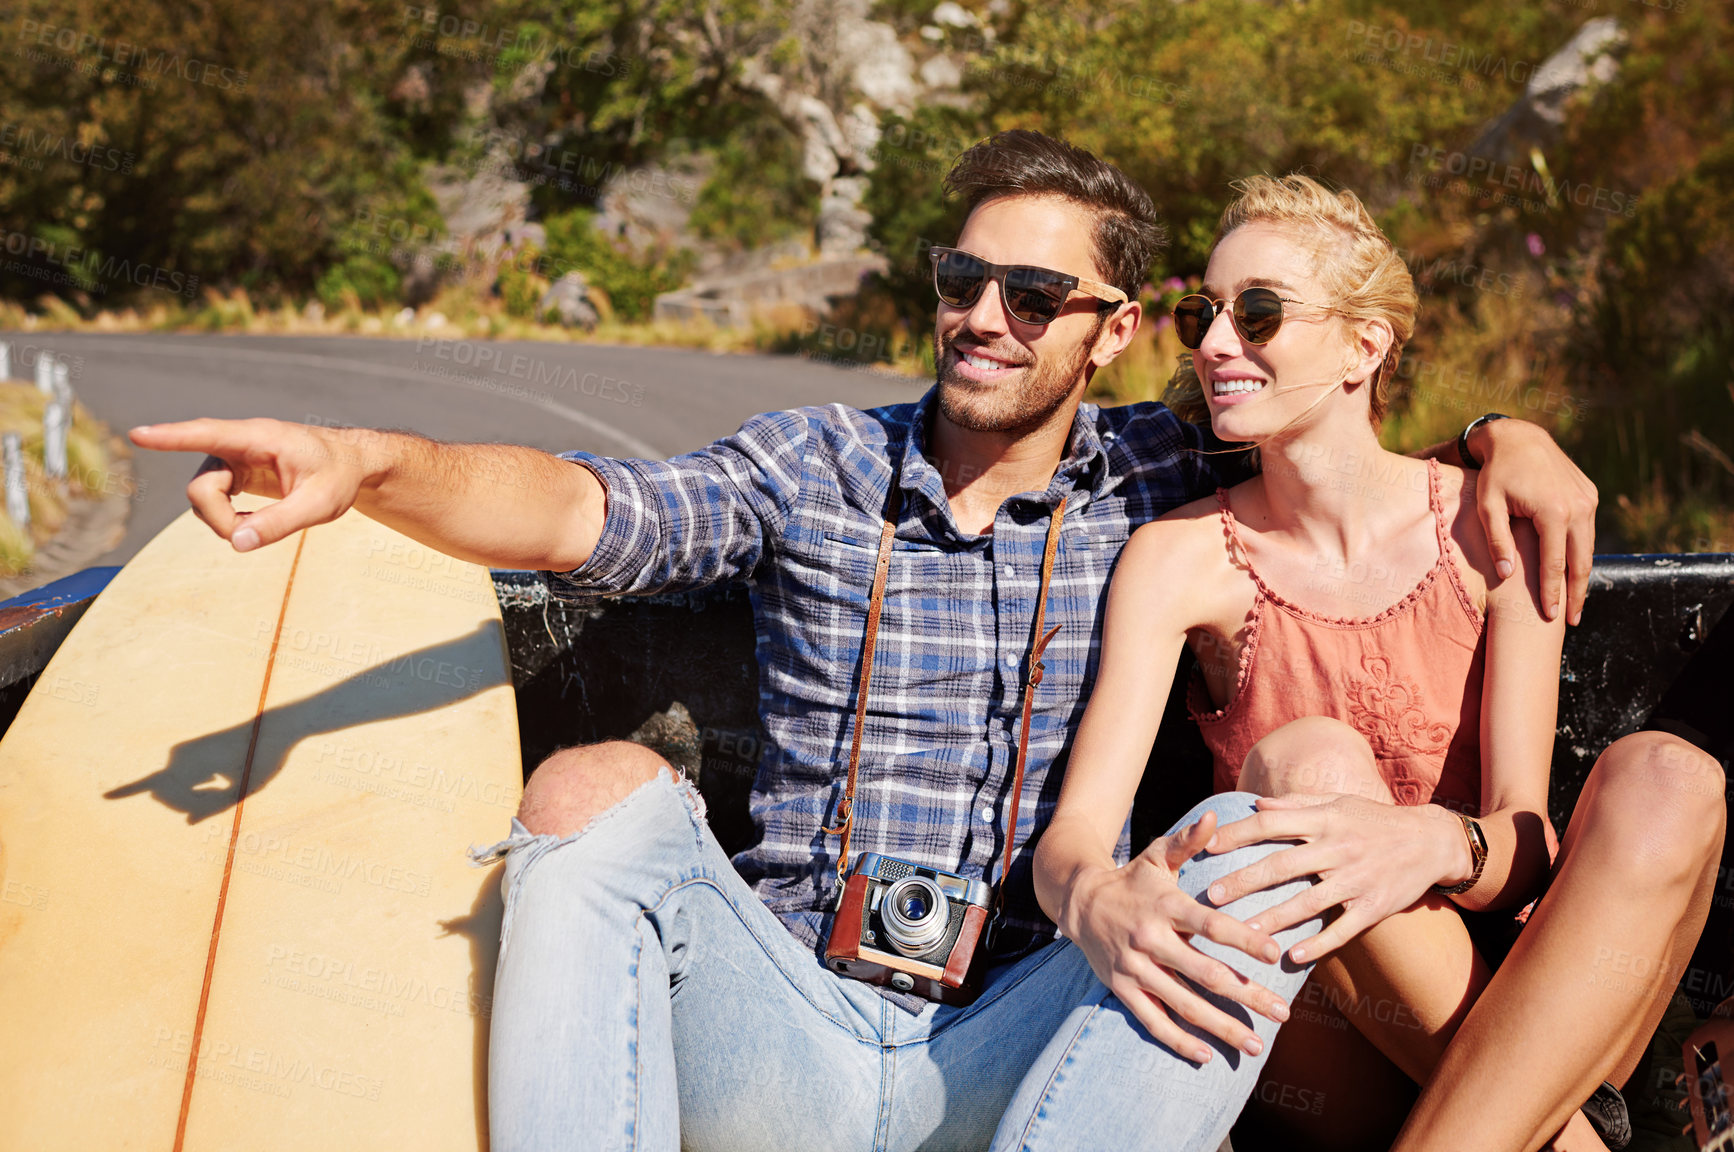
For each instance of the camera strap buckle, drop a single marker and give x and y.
(990, 932)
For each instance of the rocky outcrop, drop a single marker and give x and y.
(732, 301)
(647, 208)
(846, 71)
(568, 298)
(1586, 61)
(485, 207)
(829, 70)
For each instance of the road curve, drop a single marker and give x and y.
(615, 400)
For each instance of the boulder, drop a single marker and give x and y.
(568, 298)
(843, 221)
(1585, 62)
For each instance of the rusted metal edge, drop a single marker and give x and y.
(33, 624)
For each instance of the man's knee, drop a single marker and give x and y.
(575, 785)
(1204, 869)
(1227, 807)
(1314, 754)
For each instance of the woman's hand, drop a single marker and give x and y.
(1134, 924)
(1372, 859)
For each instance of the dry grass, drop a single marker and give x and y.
(1656, 521)
(88, 455)
(459, 312)
(1501, 354)
(464, 312)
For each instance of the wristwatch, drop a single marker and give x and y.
(1469, 460)
(1477, 856)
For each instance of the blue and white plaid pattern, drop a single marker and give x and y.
(792, 505)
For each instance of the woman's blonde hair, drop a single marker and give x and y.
(1358, 266)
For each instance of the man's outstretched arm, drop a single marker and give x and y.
(500, 505)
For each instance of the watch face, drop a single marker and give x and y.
(1477, 847)
(1477, 857)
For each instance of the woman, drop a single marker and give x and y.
(1391, 696)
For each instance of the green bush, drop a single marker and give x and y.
(358, 279)
(756, 194)
(632, 283)
(1656, 345)
(521, 289)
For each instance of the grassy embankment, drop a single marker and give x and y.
(458, 313)
(90, 453)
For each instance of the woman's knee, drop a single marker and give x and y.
(575, 785)
(1664, 797)
(1313, 754)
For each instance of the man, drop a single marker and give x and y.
(651, 993)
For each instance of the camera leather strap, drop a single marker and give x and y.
(1034, 678)
(875, 604)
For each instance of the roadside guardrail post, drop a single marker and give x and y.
(17, 496)
(56, 419)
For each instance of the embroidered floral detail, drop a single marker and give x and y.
(1408, 791)
(1388, 710)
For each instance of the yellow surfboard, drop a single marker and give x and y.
(235, 909)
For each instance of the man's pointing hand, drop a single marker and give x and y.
(314, 474)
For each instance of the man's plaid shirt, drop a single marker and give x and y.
(792, 504)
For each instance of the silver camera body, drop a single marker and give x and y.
(911, 928)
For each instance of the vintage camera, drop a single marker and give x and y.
(912, 928)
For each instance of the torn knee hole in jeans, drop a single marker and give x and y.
(522, 836)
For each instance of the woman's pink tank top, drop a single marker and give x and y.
(1408, 678)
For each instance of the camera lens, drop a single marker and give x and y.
(915, 914)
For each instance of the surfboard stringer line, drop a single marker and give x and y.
(229, 860)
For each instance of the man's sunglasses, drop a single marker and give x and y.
(1257, 316)
(1032, 295)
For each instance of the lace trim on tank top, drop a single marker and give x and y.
(1448, 548)
(1200, 699)
(1444, 563)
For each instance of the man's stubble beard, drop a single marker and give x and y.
(1010, 409)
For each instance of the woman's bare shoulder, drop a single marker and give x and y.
(1184, 550)
(1458, 494)
(1459, 491)
(1204, 508)
(1186, 528)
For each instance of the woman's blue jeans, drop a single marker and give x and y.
(646, 999)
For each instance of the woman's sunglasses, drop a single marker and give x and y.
(1257, 316)
(1032, 295)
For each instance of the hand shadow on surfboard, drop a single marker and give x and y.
(203, 775)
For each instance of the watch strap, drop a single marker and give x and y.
(1477, 856)
(1468, 457)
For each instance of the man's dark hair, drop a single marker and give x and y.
(1019, 162)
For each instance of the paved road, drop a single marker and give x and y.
(618, 401)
